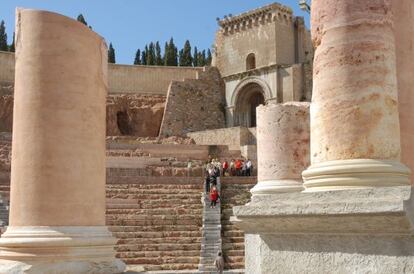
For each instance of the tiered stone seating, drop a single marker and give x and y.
(157, 225)
(234, 191)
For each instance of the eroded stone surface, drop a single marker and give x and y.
(355, 108)
(282, 140)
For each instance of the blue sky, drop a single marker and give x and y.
(130, 24)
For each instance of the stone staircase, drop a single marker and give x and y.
(235, 191)
(158, 226)
(211, 232)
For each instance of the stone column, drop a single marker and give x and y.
(355, 134)
(282, 147)
(57, 212)
(404, 40)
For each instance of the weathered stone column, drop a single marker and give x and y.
(355, 134)
(404, 40)
(57, 212)
(354, 145)
(282, 147)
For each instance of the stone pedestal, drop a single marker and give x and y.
(282, 147)
(57, 211)
(349, 231)
(354, 110)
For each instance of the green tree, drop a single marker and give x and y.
(171, 54)
(81, 19)
(137, 60)
(195, 57)
(166, 53)
(151, 54)
(144, 57)
(201, 58)
(209, 58)
(12, 46)
(186, 60)
(3, 37)
(158, 56)
(111, 54)
(181, 58)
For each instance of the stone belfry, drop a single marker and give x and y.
(57, 212)
(355, 214)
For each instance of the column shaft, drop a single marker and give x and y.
(355, 134)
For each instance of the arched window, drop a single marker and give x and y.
(250, 61)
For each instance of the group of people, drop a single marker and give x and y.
(237, 167)
(212, 177)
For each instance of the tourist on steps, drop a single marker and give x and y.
(219, 262)
(232, 168)
(249, 168)
(225, 167)
(214, 196)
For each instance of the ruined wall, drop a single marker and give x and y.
(146, 79)
(194, 105)
(137, 115)
(233, 137)
(6, 113)
(121, 78)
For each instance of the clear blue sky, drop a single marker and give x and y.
(130, 24)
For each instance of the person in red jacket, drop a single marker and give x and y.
(214, 196)
(238, 166)
(225, 167)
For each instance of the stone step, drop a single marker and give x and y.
(152, 234)
(190, 191)
(156, 247)
(153, 205)
(174, 253)
(169, 266)
(182, 198)
(233, 240)
(163, 260)
(167, 240)
(129, 228)
(180, 210)
(149, 217)
(154, 222)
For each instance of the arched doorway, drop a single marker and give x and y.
(249, 98)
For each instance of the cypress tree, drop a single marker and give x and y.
(181, 60)
(144, 57)
(82, 19)
(137, 60)
(209, 58)
(111, 54)
(158, 56)
(202, 58)
(187, 58)
(195, 57)
(3, 37)
(151, 54)
(12, 46)
(166, 53)
(171, 54)
(175, 56)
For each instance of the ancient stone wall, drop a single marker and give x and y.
(194, 105)
(136, 115)
(6, 113)
(121, 78)
(146, 79)
(233, 137)
(6, 72)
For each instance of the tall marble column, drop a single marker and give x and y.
(57, 211)
(404, 40)
(282, 147)
(355, 133)
(367, 226)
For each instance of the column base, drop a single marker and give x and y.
(59, 249)
(350, 231)
(355, 173)
(277, 186)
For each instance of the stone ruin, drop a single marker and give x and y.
(333, 187)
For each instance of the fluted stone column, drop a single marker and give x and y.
(57, 212)
(282, 147)
(355, 134)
